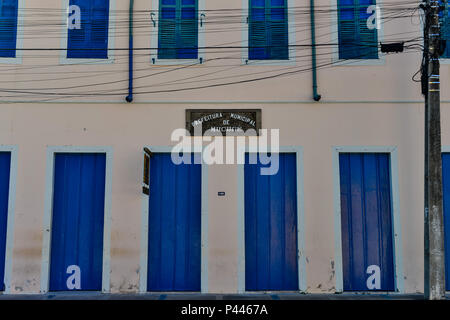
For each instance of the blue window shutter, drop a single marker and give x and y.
(368, 38)
(8, 28)
(178, 29)
(167, 35)
(188, 38)
(347, 32)
(78, 38)
(91, 41)
(99, 27)
(445, 29)
(356, 40)
(278, 30)
(257, 31)
(268, 30)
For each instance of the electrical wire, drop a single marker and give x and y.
(40, 22)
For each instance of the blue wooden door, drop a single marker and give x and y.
(271, 261)
(5, 168)
(77, 224)
(174, 240)
(446, 203)
(366, 222)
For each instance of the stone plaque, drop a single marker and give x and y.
(224, 121)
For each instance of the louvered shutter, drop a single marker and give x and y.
(91, 41)
(188, 36)
(167, 35)
(257, 31)
(347, 30)
(278, 31)
(445, 29)
(368, 38)
(8, 28)
(268, 30)
(99, 28)
(77, 38)
(356, 40)
(178, 29)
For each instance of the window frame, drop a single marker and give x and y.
(154, 43)
(64, 39)
(13, 151)
(335, 39)
(291, 38)
(19, 36)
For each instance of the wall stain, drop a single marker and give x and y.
(333, 272)
(28, 252)
(125, 286)
(115, 251)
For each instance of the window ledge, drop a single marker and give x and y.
(360, 62)
(16, 60)
(247, 62)
(64, 60)
(156, 61)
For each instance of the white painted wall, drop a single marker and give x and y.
(361, 106)
(128, 128)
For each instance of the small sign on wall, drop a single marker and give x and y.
(223, 121)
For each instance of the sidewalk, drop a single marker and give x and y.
(197, 296)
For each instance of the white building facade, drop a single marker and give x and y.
(343, 214)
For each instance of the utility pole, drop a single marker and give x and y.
(434, 259)
(424, 82)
